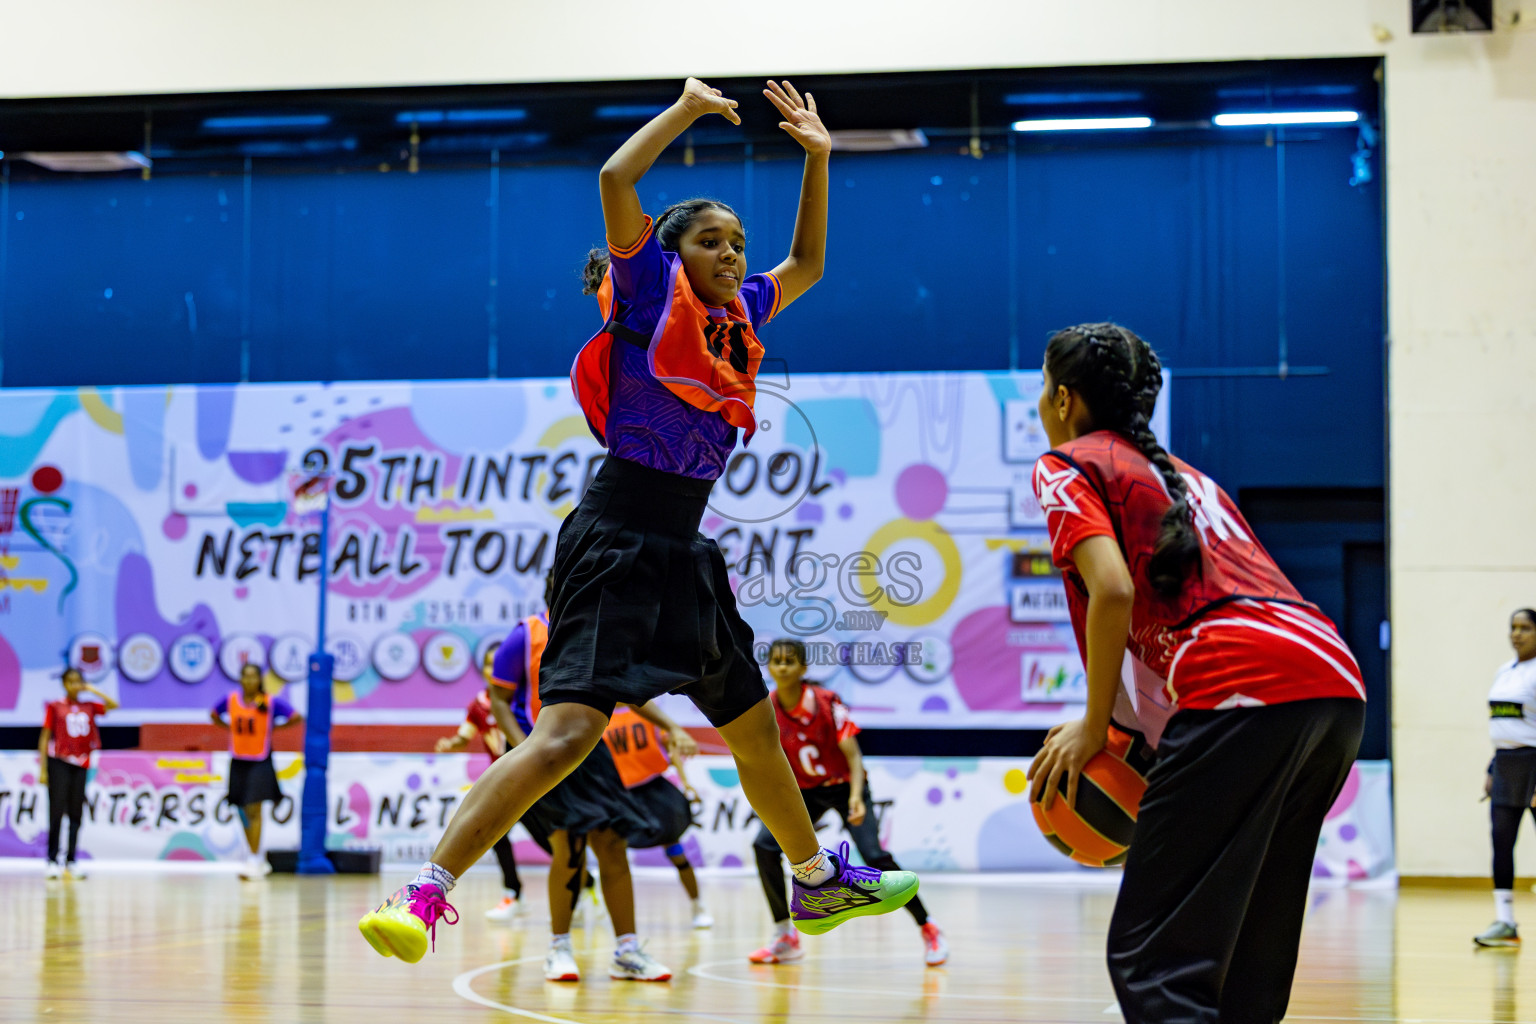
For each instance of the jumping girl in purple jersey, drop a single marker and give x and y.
(642, 605)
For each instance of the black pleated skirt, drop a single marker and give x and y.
(642, 605)
(671, 809)
(592, 797)
(252, 782)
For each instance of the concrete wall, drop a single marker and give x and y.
(1461, 145)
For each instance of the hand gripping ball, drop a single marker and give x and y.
(1097, 832)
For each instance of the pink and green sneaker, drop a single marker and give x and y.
(850, 892)
(406, 923)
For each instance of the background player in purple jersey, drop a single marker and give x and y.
(642, 604)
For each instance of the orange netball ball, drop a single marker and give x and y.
(1097, 832)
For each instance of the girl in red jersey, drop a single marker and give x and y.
(64, 748)
(822, 745)
(1269, 703)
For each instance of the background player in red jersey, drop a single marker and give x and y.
(480, 720)
(1159, 563)
(819, 737)
(64, 749)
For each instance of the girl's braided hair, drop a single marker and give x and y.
(1119, 377)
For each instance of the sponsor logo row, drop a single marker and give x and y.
(191, 658)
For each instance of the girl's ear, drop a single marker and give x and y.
(1062, 401)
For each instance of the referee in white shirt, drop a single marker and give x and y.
(1511, 783)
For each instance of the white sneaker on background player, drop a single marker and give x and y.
(560, 963)
(637, 965)
(506, 910)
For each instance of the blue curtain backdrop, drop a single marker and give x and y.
(1219, 248)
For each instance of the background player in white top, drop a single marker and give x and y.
(1511, 782)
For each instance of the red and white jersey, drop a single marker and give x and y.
(479, 717)
(811, 733)
(72, 733)
(1238, 634)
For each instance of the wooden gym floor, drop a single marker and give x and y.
(138, 946)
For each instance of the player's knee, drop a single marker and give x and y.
(609, 847)
(753, 744)
(561, 750)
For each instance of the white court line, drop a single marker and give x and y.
(702, 971)
(463, 986)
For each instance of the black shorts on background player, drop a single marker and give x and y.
(671, 810)
(1513, 773)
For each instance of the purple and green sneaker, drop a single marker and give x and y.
(850, 892)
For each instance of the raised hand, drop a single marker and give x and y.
(700, 99)
(800, 118)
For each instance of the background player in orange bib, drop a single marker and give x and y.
(643, 757)
(64, 748)
(480, 720)
(589, 807)
(1159, 563)
(821, 741)
(250, 716)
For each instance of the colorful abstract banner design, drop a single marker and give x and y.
(152, 537)
(951, 814)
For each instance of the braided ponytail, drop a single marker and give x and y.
(669, 227)
(1119, 377)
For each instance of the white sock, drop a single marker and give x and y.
(698, 905)
(782, 929)
(434, 874)
(1504, 903)
(815, 871)
(509, 894)
(628, 943)
(562, 941)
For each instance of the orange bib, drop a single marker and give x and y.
(636, 748)
(538, 639)
(709, 363)
(250, 728)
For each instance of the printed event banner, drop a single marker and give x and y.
(151, 537)
(952, 814)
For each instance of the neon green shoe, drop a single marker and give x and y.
(406, 924)
(851, 892)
